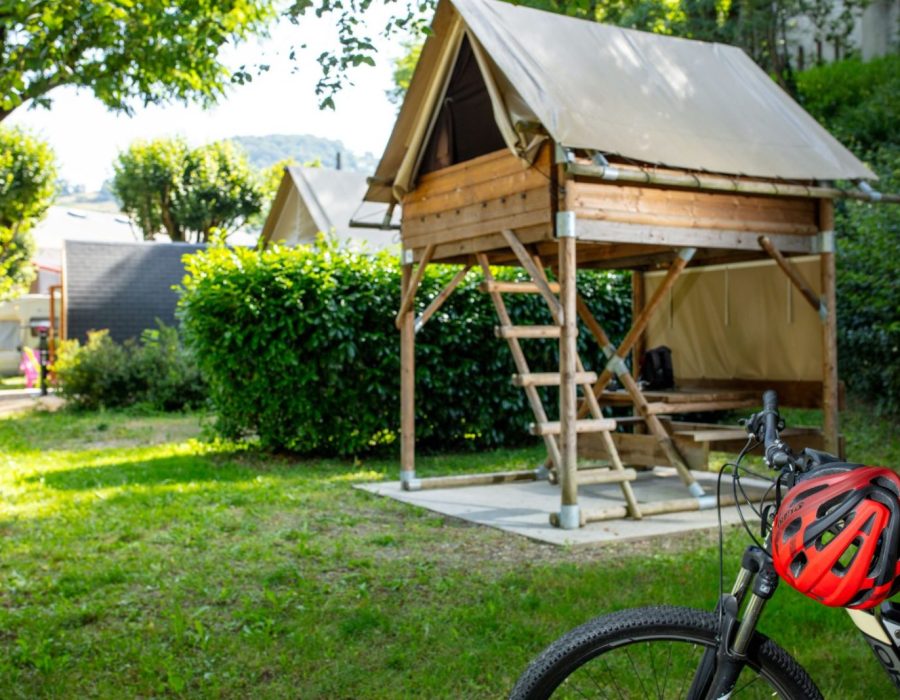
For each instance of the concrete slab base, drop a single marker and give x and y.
(523, 508)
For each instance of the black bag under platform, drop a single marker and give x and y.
(656, 369)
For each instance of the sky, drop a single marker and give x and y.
(87, 137)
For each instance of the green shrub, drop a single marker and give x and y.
(155, 372)
(299, 347)
(869, 291)
(860, 104)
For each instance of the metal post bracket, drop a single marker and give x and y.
(565, 224)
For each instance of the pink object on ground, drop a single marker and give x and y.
(30, 367)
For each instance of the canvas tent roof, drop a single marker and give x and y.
(652, 98)
(310, 200)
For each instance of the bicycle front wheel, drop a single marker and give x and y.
(653, 653)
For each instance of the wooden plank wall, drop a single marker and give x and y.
(463, 208)
(632, 204)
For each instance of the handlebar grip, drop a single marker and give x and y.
(776, 456)
(770, 401)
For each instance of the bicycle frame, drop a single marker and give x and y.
(718, 672)
(882, 632)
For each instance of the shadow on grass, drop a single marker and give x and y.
(145, 472)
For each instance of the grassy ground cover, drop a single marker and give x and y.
(138, 561)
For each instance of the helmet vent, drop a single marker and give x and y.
(791, 529)
(798, 564)
(827, 536)
(867, 526)
(840, 567)
(830, 505)
(859, 598)
(886, 483)
(809, 492)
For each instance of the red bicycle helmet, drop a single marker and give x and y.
(836, 535)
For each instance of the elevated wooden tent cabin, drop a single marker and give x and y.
(551, 143)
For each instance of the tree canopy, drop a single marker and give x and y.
(124, 51)
(27, 188)
(188, 194)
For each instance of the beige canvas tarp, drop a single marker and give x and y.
(741, 321)
(652, 98)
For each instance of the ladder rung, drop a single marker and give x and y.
(516, 287)
(594, 425)
(527, 331)
(551, 378)
(605, 476)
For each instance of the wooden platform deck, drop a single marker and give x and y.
(674, 401)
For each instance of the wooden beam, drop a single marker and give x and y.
(449, 482)
(439, 300)
(537, 276)
(631, 386)
(830, 386)
(679, 236)
(638, 297)
(793, 274)
(640, 323)
(527, 331)
(516, 287)
(407, 386)
(568, 363)
(553, 379)
(409, 292)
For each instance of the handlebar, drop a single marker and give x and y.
(765, 426)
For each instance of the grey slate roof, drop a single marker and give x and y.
(124, 287)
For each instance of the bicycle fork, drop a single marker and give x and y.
(720, 667)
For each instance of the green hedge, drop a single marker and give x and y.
(860, 104)
(154, 372)
(299, 347)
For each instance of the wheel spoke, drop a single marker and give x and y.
(746, 685)
(653, 671)
(636, 672)
(668, 668)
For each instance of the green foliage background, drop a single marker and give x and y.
(299, 346)
(860, 104)
(190, 194)
(27, 188)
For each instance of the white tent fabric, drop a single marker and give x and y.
(647, 97)
(325, 200)
(653, 98)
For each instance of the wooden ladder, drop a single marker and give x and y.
(530, 381)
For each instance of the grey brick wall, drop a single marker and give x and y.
(124, 287)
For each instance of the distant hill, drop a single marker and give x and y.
(263, 151)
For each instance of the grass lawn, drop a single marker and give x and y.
(138, 561)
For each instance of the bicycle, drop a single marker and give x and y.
(719, 655)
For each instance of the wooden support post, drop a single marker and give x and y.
(638, 297)
(407, 303)
(793, 275)
(829, 329)
(640, 323)
(593, 406)
(439, 300)
(407, 386)
(569, 517)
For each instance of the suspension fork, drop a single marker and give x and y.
(719, 668)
